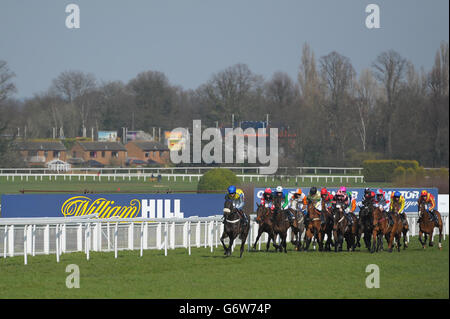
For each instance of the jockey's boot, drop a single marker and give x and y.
(433, 216)
(391, 221)
(322, 218)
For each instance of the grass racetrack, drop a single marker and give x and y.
(412, 273)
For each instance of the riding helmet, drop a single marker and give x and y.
(279, 189)
(313, 190)
(397, 194)
(232, 189)
(268, 191)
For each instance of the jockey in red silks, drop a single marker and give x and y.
(267, 199)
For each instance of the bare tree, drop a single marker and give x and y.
(76, 88)
(390, 70)
(365, 99)
(338, 74)
(6, 86)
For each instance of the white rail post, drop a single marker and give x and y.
(25, 244)
(108, 235)
(165, 238)
(11, 240)
(189, 237)
(33, 247)
(116, 230)
(197, 234)
(205, 234)
(47, 239)
(172, 235)
(5, 242)
(57, 242)
(88, 241)
(211, 235)
(142, 238)
(80, 237)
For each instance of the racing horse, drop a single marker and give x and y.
(233, 228)
(342, 229)
(282, 222)
(327, 227)
(382, 227)
(404, 223)
(265, 223)
(313, 229)
(298, 229)
(366, 223)
(427, 225)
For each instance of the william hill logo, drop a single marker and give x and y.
(82, 205)
(151, 208)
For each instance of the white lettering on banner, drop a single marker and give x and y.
(159, 208)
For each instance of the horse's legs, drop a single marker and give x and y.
(243, 240)
(224, 235)
(391, 240)
(431, 244)
(260, 231)
(283, 241)
(230, 246)
(440, 236)
(308, 237)
(420, 239)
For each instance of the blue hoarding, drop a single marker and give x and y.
(112, 205)
(411, 195)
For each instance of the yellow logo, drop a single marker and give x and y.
(82, 205)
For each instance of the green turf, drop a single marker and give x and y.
(126, 186)
(414, 273)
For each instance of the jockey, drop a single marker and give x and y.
(236, 195)
(283, 196)
(383, 204)
(298, 201)
(315, 198)
(280, 193)
(398, 197)
(348, 202)
(430, 204)
(369, 197)
(267, 199)
(327, 197)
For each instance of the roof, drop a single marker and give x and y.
(39, 146)
(150, 146)
(102, 146)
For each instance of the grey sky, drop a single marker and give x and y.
(189, 40)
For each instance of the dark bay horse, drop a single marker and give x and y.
(233, 228)
(281, 223)
(382, 228)
(366, 223)
(326, 228)
(265, 222)
(427, 225)
(297, 228)
(342, 229)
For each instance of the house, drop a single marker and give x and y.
(107, 153)
(148, 151)
(38, 153)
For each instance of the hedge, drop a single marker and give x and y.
(383, 170)
(217, 179)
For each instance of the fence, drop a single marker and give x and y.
(174, 177)
(32, 236)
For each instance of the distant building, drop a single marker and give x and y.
(147, 150)
(107, 153)
(38, 153)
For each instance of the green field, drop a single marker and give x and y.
(414, 273)
(75, 186)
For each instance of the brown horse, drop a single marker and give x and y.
(326, 228)
(366, 223)
(313, 229)
(342, 229)
(405, 226)
(297, 227)
(382, 227)
(427, 225)
(282, 222)
(264, 220)
(233, 228)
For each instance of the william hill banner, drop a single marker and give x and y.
(411, 195)
(112, 205)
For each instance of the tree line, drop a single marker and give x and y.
(390, 110)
